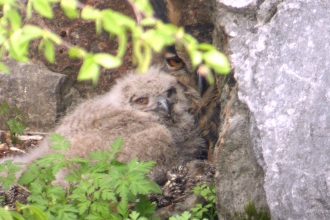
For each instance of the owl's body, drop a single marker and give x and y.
(149, 134)
(149, 110)
(204, 99)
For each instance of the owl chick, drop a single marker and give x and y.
(149, 110)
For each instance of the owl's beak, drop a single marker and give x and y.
(162, 105)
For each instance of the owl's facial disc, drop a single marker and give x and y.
(160, 105)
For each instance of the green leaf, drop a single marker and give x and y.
(53, 37)
(89, 70)
(15, 19)
(206, 47)
(28, 176)
(3, 68)
(108, 195)
(83, 206)
(144, 59)
(188, 39)
(29, 10)
(18, 46)
(217, 61)
(17, 216)
(154, 39)
(196, 58)
(7, 182)
(76, 52)
(107, 60)
(12, 167)
(144, 5)
(148, 21)
(123, 208)
(43, 8)
(89, 13)
(15, 127)
(134, 215)
(117, 144)
(98, 155)
(124, 21)
(58, 142)
(110, 24)
(98, 25)
(122, 41)
(31, 32)
(5, 214)
(70, 8)
(33, 211)
(49, 51)
(4, 108)
(145, 207)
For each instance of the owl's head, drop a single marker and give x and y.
(153, 92)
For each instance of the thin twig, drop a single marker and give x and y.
(22, 187)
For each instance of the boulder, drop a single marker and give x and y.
(41, 95)
(280, 54)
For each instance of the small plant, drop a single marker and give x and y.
(102, 189)
(14, 119)
(207, 211)
(200, 211)
(252, 213)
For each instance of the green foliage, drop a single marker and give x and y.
(251, 213)
(96, 187)
(148, 35)
(14, 120)
(5, 214)
(200, 211)
(8, 168)
(207, 211)
(184, 216)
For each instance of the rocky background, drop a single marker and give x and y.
(275, 132)
(273, 149)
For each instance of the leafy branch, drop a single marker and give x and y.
(148, 35)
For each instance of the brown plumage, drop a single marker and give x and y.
(204, 99)
(149, 110)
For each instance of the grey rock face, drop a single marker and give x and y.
(41, 95)
(280, 52)
(239, 177)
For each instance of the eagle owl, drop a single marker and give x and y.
(204, 99)
(149, 110)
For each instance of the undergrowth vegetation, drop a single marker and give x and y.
(97, 187)
(14, 120)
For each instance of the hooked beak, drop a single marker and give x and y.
(162, 106)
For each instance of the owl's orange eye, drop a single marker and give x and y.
(142, 101)
(175, 62)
